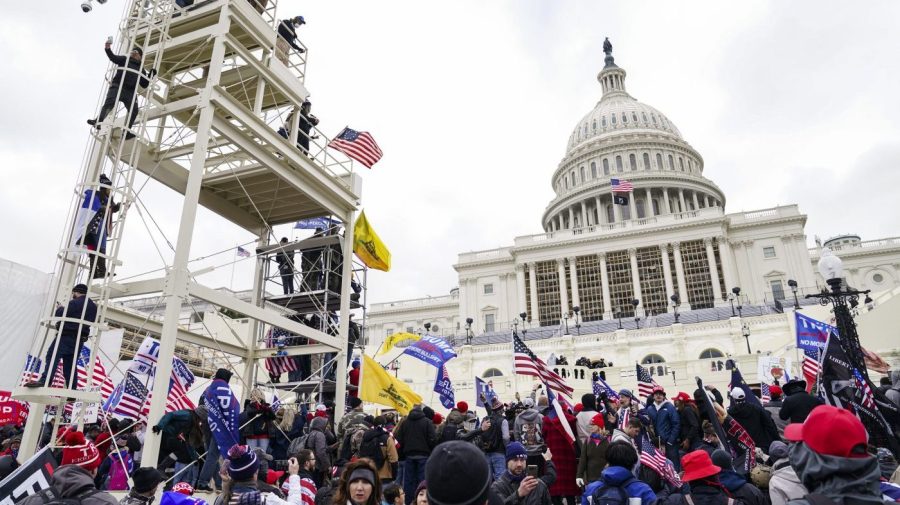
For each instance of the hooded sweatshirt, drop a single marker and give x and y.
(528, 416)
(741, 489)
(784, 485)
(845, 480)
(317, 442)
(893, 394)
(614, 476)
(70, 481)
(416, 435)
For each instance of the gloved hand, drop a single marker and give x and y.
(579, 482)
(157, 429)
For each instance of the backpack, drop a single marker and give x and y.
(118, 474)
(49, 498)
(297, 445)
(611, 495)
(374, 450)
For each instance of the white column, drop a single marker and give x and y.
(681, 200)
(584, 215)
(563, 293)
(535, 313)
(601, 211)
(632, 204)
(463, 298)
(571, 218)
(604, 283)
(520, 288)
(807, 274)
(617, 211)
(473, 302)
(753, 288)
(667, 271)
(648, 204)
(742, 269)
(559, 221)
(727, 258)
(708, 198)
(679, 274)
(696, 202)
(668, 206)
(713, 271)
(503, 315)
(573, 278)
(635, 276)
(789, 258)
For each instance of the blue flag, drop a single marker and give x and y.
(224, 410)
(444, 388)
(432, 350)
(316, 222)
(600, 386)
(812, 334)
(482, 387)
(737, 381)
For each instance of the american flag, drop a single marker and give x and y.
(645, 381)
(656, 461)
(600, 386)
(526, 363)
(276, 402)
(243, 253)
(307, 490)
(32, 370)
(59, 377)
(868, 399)
(131, 398)
(100, 378)
(764, 393)
(179, 383)
(358, 145)
(279, 364)
(557, 412)
(810, 367)
(621, 186)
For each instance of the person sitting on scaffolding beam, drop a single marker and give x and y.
(124, 85)
(71, 335)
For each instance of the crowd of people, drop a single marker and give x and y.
(660, 450)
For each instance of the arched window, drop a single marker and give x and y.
(632, 161)
(594, 124)
(646, 161)
(650, 359)
(659, 161)
(567, 182)
(641, 213)
(613, 119)
(582, 174)
(681, 163)
(711, 353)
(573, 178)
(605, 166)
(655, 207)
(690, 165)
(593, 170)
(644, 114)
(634, 117)
(491, 372)
(585, 129)
(654, 118)
(624, 118)
(671, 162)
(618, 163)
(655, 369)
(603, 121)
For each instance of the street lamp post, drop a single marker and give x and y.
(637, 318)
(619, 316)
(735, 292)
(524, 316)
(831, 268)
(793, 285)
(676, 302)
(469, 322)
(427, 327)
(566, 320)
(576, 309)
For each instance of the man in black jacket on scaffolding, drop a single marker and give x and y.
(124, 85)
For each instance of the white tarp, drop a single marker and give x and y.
(23, 293)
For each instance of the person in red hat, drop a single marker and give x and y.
(690, 433)
(773, 406)
(74, 479)
(830, 456)
(703, 488)
(593, 452)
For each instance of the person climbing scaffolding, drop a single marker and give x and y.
(124, 85)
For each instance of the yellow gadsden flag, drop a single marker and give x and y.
(378, 386)
(395, 339)
(368, 247)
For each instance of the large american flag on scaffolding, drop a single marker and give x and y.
(526, 363)
(279, 364)
(358, 145)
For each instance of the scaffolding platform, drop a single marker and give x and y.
(307, 387)
(42, 394)
(311, 301)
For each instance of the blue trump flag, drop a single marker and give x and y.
(316, 222)
(737, 381)
(484, 388)
(432, 350)
(444, 388)
(224, 410)
(811, 333)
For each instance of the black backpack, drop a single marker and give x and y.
(373, 449)
(48, 497)
(611, 495)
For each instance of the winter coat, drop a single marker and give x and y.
(846, 481)
(529, 416)
(563, 456)
(317, 442)
(70, 481)
(73, 310)
(493, 439)
(592, 460)
(700, 495)
(447, 431)
(279, 441)
(262, 424)
(784, 485)
(690, 426)
(583, 424)
(180, 434)
(507, 489)
(621, 436)
(614, 476)
(774, 410)
(132, 78)
(666, 422)
(757, 422)
(741, 489)
(416, 435)
(893, 394)
(796, 407)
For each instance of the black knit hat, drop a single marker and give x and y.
(146, 478)
(80, 288)
(354, 402)
(223, 374)
(589, 401)
(459, 475)
(429, 412)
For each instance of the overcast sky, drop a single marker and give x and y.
(473, 102)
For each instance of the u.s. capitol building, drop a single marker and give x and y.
(604, 280)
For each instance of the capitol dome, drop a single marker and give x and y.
(622, 138)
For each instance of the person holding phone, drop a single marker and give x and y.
(520, 483)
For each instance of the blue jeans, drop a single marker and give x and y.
(413, 474)
(210, 468)
(185, 473)
(68, 347)
(673, 455)
(262, 443)
(497, 462)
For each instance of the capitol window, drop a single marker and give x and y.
(491, 372)
(877, 278)
(618, 163)
(634, 117)
(593, 170)
(582, 174)
(613, 119)
(488, 289)
(646, 161)
(671, 162)
(594, 124)
(605, 166)
(654, 118)
(711, 353)
(644, 114)
(769, 252)
(488, 322)
(603, 121)
(659, 165)
(632, 160)
(624, 118)
(681, 163)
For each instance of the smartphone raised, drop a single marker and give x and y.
(531, 470)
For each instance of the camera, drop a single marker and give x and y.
(86, 6)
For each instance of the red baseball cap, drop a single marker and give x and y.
(775, 390)
(597, 420)
(698, 465)
(683, 397)
(831, 431)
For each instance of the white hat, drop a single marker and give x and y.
(738, 394)
(321, 408)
